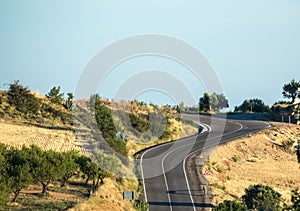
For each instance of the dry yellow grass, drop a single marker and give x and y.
(182, 130)
(17, 135)
(260, 159)
(109, 197)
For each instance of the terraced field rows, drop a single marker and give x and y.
(18, 135)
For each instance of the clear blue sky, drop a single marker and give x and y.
(253, 45)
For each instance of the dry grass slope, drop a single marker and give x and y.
(266, 157)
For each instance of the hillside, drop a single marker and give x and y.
(266, 157)
(51, 125)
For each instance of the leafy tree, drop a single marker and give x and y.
(98, 178)
(218, 102)
(213, 102)
(55, 96)
(222, 101)
(21, 98)
(84, 164)
(231, 206)
(67, 166)
(45, 166)
(262, 197)
(19, 171)
(204, 103)
(290, 90)
(252, 105)
(92, 172)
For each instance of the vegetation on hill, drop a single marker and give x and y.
(57, 169)
(252, 105)
(20, 169)
(213, 102)
(18, 103)
(291, 90)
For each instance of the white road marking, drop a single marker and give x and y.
(166, 181)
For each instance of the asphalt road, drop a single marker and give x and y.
(166, 183)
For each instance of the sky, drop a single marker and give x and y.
(253, 45)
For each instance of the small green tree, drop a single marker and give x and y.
(290, 90)
(55, 96)
(21, 98)
(67, 166)
(222, 101)
(204, 103)
(262, 197)
(69, 101)
(213, 102)
(45, 166)
(92, 172)
(19, 171)
(230, 206)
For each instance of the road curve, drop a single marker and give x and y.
(166, 185)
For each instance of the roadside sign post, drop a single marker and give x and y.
(129, 195)
(285, 113)
(206, 173)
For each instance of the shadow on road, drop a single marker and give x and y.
(179, 204)
(186, 192)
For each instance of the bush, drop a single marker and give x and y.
(230, 206)
(141, 205)
(236, 158)
(21, 98)
(139, 123)
(262, 197)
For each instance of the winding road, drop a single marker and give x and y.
(164, 167)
